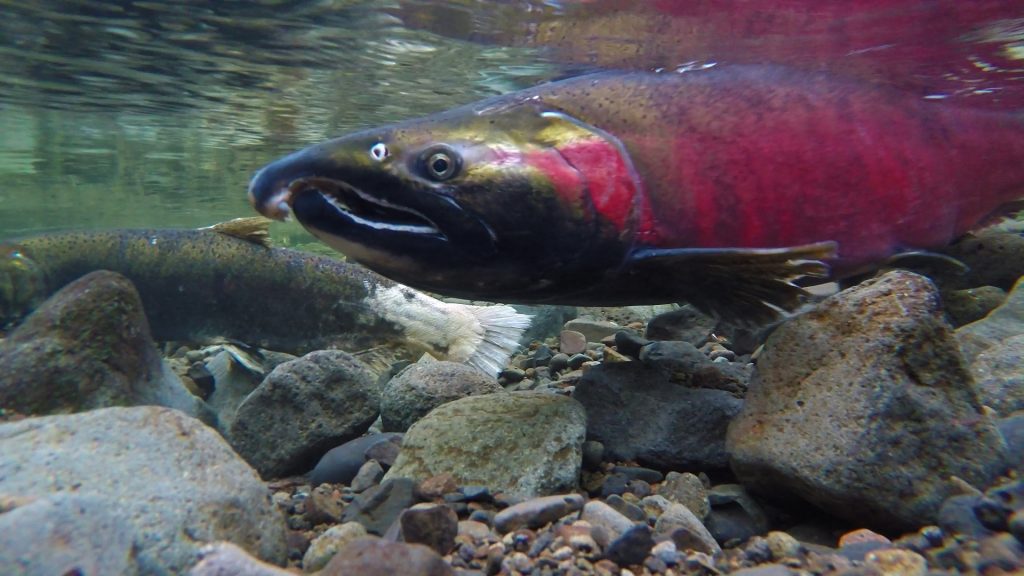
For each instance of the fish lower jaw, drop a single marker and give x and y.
(381, 225)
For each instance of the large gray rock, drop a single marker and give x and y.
(172, 483)
(65, 533)
(638, 413)
(302, 409)
(865, 408)
(523, 443)
(423, 386)
(1003, 323)
(87, 347)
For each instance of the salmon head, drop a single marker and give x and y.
(506, 199)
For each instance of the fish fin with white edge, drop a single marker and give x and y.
(255, 229)
(484, 337)
(745, 287)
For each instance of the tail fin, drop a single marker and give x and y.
(502, 328)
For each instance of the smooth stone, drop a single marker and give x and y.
(536, 512)
(683, 527)
(326, 545)
(893, 562)
(558, 363)
(640, 415)
(341, 463)
(632, 546)
(593, 454)
(603, 516)
(172, 482)
(783, 546)
(632, 511)
(993, 257)
(540, 436)
(629, 343)
(227, 559)
(593, 330)
(999, 375)
(370, 474)
(376, 557)
(423, 386)
(688, 490)
(687, 324)
(734, 516)
(379, 506)
(572, 342)
(89, 346)
(302, 409)
(956, 516)
(65, 533)
(433, 525)
(906, 414)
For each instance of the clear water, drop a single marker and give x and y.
(155, 113)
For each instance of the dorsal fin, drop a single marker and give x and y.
(255, 229)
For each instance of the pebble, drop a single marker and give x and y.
(537, 512)
(369, 475)
(325, 546)
(632, 546)
(572, 342)
(894, 562)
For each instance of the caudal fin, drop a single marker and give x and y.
(502, 328)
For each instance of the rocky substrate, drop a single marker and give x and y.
(878, 433)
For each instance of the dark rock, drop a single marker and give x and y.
(202, 378)
(593, 454)
(639, 473)
(546, 321)
(89, 346)
(686, 365)
(956, 516)
(341, 463)
(639, 488)
(423, 386)
(577, 360)
(614, 484)
(994, 258)
(687, 324)
(536, 512)
(378, 507)
(511, 376)
(607, 522)
(632, 546)
(476, 494)
(540, 357)
(1012, 429)
(302, 409)
(906, 414)
(167, 480)
(539, 435)
(433, 525)
(558, 363)
(638, 414)
(966, 306)
(375, 557)
(629, 343)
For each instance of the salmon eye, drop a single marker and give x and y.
(440, 163)
(379, 151)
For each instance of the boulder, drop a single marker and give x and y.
(89, 346)
(639, 414)
(171, 483)
(302, 409)
(522, 443)
(864, 407)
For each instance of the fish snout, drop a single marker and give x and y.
(270, 196)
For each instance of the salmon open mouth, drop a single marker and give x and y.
(364, 210)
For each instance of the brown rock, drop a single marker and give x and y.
(376, 557)
(436, 486)
(433, 525)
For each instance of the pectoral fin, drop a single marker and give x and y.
(743, 286)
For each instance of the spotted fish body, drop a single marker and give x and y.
(715, 186)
